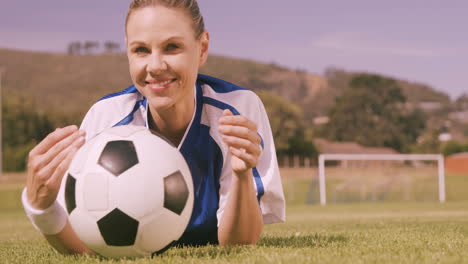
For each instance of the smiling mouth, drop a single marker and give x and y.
(159, 85)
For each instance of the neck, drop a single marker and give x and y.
(172, 122)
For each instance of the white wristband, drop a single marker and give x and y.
(49, 221)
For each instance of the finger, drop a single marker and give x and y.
(227, 112)
(46, 173)
(46, 158)
(63, 144)
(241, 143)
(237, 120)
(41, 167)
(249, 159)
(52, 139)
(62, 167)
(240, 131)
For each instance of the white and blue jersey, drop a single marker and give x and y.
(207, 156)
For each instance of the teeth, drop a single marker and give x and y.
(163, 83)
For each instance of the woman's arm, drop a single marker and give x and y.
(241, 222)
(67, 242)
(47, 164)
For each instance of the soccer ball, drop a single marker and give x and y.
(128, 193)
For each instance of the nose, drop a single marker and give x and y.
(156, 63)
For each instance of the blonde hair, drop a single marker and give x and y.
(190, 6)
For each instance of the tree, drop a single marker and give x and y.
(461, 103)
(111, 47)
(22, 128)
(324, 98)
(90, 46)
(74, 48)
(428, 143)
(285, 118)
(301, 145)
(371, 111)
(453, 147)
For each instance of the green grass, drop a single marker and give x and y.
(337, 233)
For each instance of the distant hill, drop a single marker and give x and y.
(71, 84)
(59, 82)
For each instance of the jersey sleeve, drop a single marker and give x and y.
(93, 123)
(124, 109)
(267, 180)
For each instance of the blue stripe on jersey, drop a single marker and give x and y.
(129, 118)
(205, 160)
(221, 105)
(259, 183)
(218, 85)
(129, 90)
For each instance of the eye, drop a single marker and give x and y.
(172, 47)
(141, 50)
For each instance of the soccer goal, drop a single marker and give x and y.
(381, 177)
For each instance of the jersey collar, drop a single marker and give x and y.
(196, 114)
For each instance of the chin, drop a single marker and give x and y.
(161, 104)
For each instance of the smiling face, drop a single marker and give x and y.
(164, 56)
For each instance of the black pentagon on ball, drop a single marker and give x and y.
(118, 156)
(175, 192)
(70, 186)
(118, 229)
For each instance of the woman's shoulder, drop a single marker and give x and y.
(219, 85)
(121, 100)
(128, 91)
(224, 91)
(113, 109)
(218, 95)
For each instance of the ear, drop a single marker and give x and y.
(205, 43)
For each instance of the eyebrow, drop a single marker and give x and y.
(136, 42)
(139, 42)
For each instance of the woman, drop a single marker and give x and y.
(222, 131)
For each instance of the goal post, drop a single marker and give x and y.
(381, 157)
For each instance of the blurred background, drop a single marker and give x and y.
(347, 77)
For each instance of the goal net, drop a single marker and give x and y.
(379, 177)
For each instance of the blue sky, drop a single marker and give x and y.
(417, 40)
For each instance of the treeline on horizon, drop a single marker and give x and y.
(370, 109)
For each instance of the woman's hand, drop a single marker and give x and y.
(240, 135)
(48, 162)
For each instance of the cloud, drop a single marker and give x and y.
(356, 42)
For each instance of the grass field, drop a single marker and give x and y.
(405, 232)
